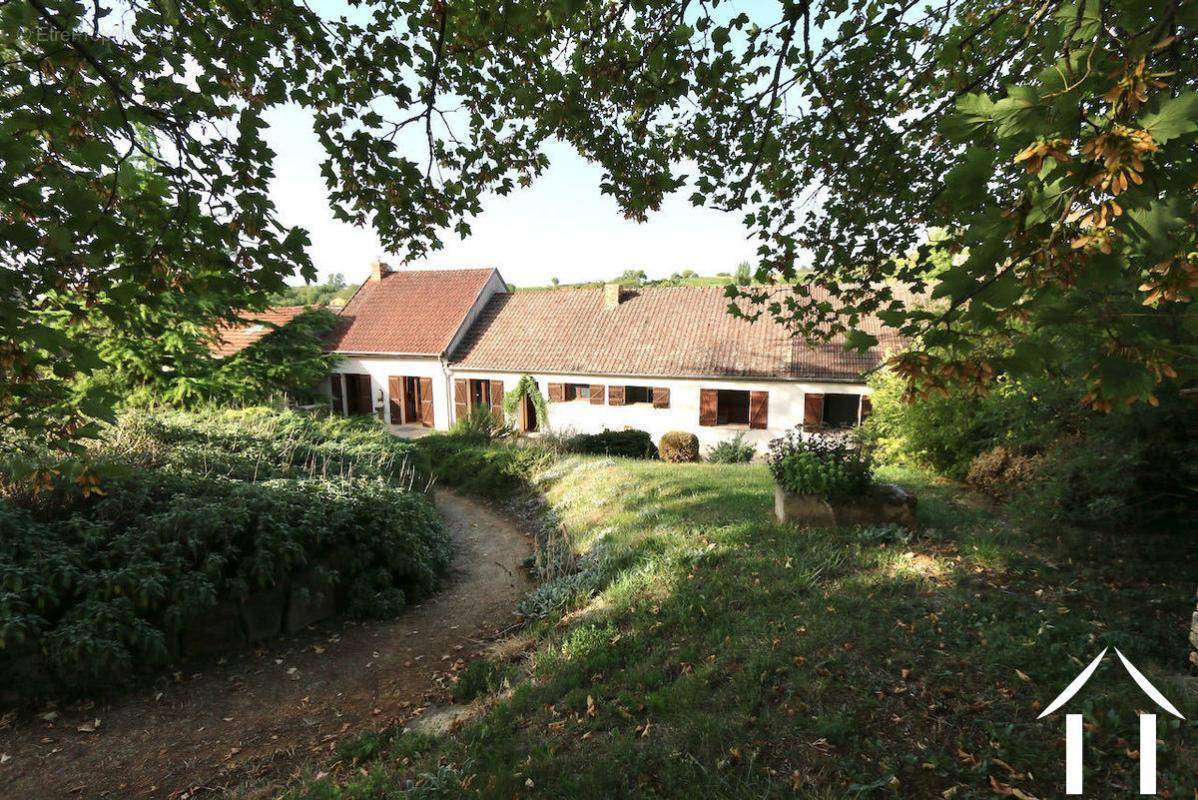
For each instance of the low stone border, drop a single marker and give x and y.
(306, 599)
(882, 503)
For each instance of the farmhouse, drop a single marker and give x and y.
(420, 347)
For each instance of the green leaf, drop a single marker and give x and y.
(974, 113)
(859, 340)
(971, 173)
(1177, 116)
(1017, 113)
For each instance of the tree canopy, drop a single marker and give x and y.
(1050, 144)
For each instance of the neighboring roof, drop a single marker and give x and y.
(252, 327)
(669, 331)
(416, 312)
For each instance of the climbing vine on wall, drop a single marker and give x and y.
(526, 386)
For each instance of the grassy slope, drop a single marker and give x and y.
(730, 656)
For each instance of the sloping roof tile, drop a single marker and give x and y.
(254, 325)
(415, 312)
(675, 331)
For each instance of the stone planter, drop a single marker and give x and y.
(881, 503)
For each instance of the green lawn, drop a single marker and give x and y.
(725, 655)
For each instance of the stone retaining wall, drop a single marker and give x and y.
(306, 599)
(881, 503)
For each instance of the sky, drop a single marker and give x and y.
(559, 227)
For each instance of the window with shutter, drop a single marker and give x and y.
(497, 401)
(637, 394)
(596, 393)
(841, 410)
(426, 403)
(708, 404)
(759, 410)
(661, 397)
(461, 399)
(813, 411)
(615, 395)
(557, 392)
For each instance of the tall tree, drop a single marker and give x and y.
(1052, 143)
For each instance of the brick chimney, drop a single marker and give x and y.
(611, 295)
(378, 269)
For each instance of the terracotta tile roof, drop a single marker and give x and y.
(254, 325)
(677, 331)
(409, 311)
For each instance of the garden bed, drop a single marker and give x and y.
(205, 533)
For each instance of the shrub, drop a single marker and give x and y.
(479, 678)
(258, 443)
(732, 451)
(194, 512)
(479, 424)
(679, 446)
(490, 469)
(1000, 471)
(1133, 466)
(109, 586)
(629, 443)
(827, 465)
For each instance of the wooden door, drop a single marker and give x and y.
(365, 398)
(396, 387)
(461, 398)
(337, 381)
(496, 396)
(708, 406)
(426, 402)
(759, 410)
(528, 414)
(813, 411)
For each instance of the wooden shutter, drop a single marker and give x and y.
(395, 399)
(615, 396)
(813, 411)
(557, 392)
(661, 397)
(759, 409)
(461, 399)
(708, 405)
(425, 396)
(497, 401)
(867, 407)
(337, 380)
(596, 394)
(365, 401)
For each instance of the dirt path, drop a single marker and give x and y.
(255, 716)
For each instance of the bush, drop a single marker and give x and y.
(479, 678)
(1000, 471)
(627, 443)
(1133, 466)
(732, 451)
(495, 470)
(479, 424)
(195, 511)
(827, 465)
(111, 584)
(679, 446)
(258, 443)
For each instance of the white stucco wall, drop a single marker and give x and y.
(380, 368)
(785, 405)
